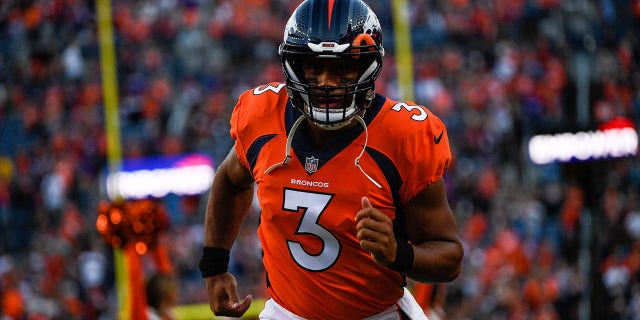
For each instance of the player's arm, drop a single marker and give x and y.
(433, 233)
(229, 201)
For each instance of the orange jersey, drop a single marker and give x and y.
(315, 266)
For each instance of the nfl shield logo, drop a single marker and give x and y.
(311, 165)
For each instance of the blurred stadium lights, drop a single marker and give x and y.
(616, 139)
(188, 174)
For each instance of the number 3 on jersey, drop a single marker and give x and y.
(313, 205)
(421, 116)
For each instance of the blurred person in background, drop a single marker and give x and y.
(360, 203)
(162, 297)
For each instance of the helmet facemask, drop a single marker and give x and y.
(331, 107)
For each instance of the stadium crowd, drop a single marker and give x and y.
(556, 241)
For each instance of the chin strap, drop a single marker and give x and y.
(364, 147)
(287, 152)
(292, 132)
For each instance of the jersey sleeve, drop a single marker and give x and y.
(426, 156)
(258, 112)
(238, 124)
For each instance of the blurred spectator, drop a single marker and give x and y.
(162, 297)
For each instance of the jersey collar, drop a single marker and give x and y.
(303, 147)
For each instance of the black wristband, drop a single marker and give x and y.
(214, 261)
(404, 257)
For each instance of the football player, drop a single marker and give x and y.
(349, 182)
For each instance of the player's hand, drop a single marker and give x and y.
(223, 296)
(375, 232)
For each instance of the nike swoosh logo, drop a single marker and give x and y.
(438, 138)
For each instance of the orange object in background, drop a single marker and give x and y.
(431, 297)
(12, 304)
